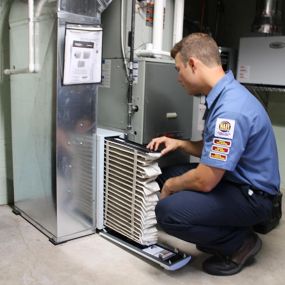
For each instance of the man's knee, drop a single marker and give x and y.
(169, 219)
(166, 212)
(161, 211)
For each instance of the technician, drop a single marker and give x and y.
(215, 203)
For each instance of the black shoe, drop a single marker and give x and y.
(206, 249)
(225, 265)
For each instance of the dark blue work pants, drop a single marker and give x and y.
(219, 220)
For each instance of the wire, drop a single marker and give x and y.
(123, 38)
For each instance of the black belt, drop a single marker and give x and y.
(255, 191)
(262, 193)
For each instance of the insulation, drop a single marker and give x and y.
(130, 190)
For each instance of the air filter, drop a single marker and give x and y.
(130, 190)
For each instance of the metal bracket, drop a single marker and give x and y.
(169, 259)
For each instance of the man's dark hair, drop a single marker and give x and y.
(198, 45)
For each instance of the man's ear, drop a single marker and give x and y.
(192, 63)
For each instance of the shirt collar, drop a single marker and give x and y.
(218, 88)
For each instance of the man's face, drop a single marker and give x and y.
(186, 75)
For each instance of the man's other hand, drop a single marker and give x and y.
(169, 144)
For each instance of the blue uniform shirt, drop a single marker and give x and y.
(239, 138)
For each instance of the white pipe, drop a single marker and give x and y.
(31, 36)
(31, 30)
(178, 21)
(39, 8)
(152, 53)
(157, 35)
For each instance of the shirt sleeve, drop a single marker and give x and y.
(225, 139)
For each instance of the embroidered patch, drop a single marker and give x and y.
(220, 149)
(225, 128)
(222, 142)
(218, 156)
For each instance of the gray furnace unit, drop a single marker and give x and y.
(160, 105)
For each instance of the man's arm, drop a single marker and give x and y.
(203, 179)
(170, 144)
(192, 147)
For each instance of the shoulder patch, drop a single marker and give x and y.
(225, 128)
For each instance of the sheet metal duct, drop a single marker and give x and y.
(53, 125)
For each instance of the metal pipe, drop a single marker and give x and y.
(268, 18)
(178, 21)
(31, 30)
(269, 4)
(31, 36)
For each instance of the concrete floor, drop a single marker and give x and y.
(28, 258)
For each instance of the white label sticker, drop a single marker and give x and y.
(244, 72)
(106, 73)
(201, 122)
(224, 128)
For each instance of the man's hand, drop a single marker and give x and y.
(169, 144)
(202, 179)
(165, 191)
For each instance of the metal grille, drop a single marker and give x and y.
(82, 175)
(130, 192)
(255, 89)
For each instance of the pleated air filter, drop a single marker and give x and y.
(130, 190)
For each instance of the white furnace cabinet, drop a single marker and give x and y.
(261, 61)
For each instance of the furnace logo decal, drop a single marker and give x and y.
(224, 128)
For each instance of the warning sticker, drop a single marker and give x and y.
(220, 149)
(222, 142)
(218, 156)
